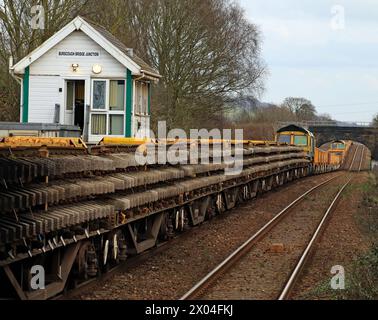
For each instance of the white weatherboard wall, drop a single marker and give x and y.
(43, 96)
(49, 72)
(51, 64)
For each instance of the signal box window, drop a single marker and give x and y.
(99, 124)
(117, 95)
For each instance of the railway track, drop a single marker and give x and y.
(293, 279)
(210, 281)
(358, 159)
(362, 158)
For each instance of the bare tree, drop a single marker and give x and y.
(208, 53)
(301, 107)
(375, 121)
(18, 38)
(205, 50)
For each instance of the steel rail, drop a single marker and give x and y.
(209, 279)
(354, 158)
(362, 158)
(302, 261)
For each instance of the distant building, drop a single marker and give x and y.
(84, 76)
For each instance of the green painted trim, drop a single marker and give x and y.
(25, 105)
(149, 99)
(129, 103)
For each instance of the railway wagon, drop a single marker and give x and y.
(77, 211)
(321, 162)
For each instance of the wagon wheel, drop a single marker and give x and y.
(87, 261)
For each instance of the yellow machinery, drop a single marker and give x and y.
(109, 141)
(321, 156)
(338, 151)
(42, 146)
(124, 141)
(37, 142)
(297, 136)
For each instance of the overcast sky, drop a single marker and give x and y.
(314, 51)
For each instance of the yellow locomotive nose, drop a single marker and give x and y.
(297, 136)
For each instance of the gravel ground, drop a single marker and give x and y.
(342, 242)
(262, 273)
(171, 273)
